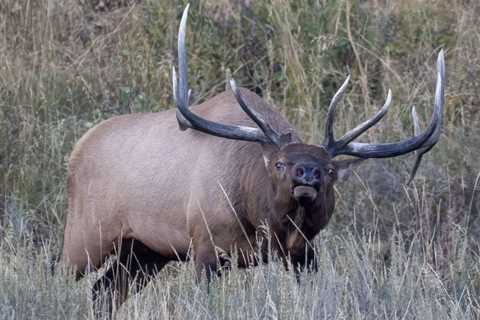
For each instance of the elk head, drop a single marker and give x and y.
(300, 172)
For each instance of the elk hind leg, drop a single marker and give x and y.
(135, 266)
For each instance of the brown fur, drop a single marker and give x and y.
(139, 177)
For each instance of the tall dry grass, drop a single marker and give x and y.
(353, 282)
(391, 251)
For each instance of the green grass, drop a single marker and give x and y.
(391, 251)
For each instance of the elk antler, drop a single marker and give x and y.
(422, 142)
(188, 119)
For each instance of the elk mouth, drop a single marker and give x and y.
(305, 195)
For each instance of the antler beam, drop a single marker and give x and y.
(188, 119)
(422, 142)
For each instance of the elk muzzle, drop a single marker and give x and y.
(306, 180)
(305, 195)
(307, 175)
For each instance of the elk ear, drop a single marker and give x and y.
(345, 167)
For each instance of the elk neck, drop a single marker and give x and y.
(262, 206)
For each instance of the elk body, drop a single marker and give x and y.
(141, 188)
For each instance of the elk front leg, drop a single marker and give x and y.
(206, 259)
(304, 260)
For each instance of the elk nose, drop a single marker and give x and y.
(306, 174)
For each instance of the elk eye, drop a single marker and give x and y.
(280, 166)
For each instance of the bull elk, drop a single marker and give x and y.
(142, 189)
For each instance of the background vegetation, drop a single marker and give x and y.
(392, 251)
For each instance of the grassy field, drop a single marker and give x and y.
(391, 251)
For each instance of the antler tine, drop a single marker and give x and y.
(363, 127)
(174, 84)
(416, 123)
(182, 60)
(255, 116)
(183, 123)
(188, 119)
(180, 87)
(416, 131)
(329, 136)
(439, 102)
